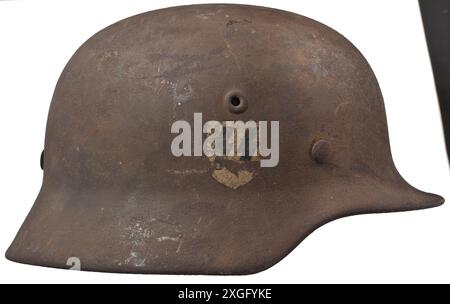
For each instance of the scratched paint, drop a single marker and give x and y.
(232, 180)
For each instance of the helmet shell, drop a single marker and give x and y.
(116, 199)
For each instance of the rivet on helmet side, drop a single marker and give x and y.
(320, 151)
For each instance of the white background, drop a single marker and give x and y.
(37, 38)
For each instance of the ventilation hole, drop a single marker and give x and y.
(235, 101)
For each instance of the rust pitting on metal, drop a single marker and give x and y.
(232, 21)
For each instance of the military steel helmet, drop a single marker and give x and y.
(208, 139)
